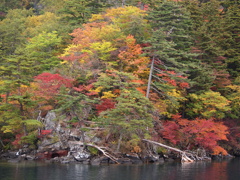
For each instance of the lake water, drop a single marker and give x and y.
(216, 170)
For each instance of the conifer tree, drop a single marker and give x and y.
(170, 44)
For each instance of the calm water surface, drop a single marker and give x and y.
(216, 170)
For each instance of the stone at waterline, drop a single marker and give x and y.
(95, 161)
(135, 159)
(81, 156)
(124, 161)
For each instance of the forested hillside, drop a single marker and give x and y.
(122, 71)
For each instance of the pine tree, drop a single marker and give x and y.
(232, 18)
(171, 44)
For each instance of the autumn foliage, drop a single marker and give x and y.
(198, 133)
(105, 105)
(50, 84)
(127, 70)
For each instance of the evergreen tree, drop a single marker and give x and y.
(213, 40)
(77, 12)
(232, 18)
(171, 43)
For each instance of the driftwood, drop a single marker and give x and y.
(186, 156)
(105, 153)
(102, 149)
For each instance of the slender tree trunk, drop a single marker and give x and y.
(119, 142)
(7, 96)
(150, 77)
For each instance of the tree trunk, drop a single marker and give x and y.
(119, 142)
(185, 155)
(150, 78)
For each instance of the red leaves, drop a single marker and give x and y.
(171, 78)
(86, 89)
(105, 105)
(17, 140)
(50, 84)
(199, 132)
(54, 79)
(183, 85)
(46, 132)
(170, 132)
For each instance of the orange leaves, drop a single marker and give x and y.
(219, 150)
(88, 34)
(132, 60)
(195, 133)
(183, 85)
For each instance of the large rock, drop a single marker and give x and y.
(50, 122)
(48, 144)
(81, 156)
(95, 161)
(135, 159)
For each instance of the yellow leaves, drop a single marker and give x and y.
(176, 93)
(108, 94)
(7, 130)
(126, 91)
(121, 13)
(209, 104)
(71, 49)
(110, 33)
(234, 87)
(98, 89)
(96, 17)
(102, 49)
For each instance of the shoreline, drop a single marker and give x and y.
(125, 159)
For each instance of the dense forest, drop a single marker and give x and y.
(121, 71)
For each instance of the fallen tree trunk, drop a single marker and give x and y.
(105, 153)
(102, 149)
(184, 155)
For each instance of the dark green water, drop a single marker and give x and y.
(216, 170)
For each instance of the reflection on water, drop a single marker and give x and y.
(217, 170)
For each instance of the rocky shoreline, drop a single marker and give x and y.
(60, 144)
(65, 157)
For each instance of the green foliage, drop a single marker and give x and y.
(52, 5)
(30, 139)
(93, 150)
(115, 80)
(11, 31)
(234, 96)
(77, 104)
(131, 117)
(41, 50)
(194, 47)
(215, 26)
(171, 37)
(208, 105)
(77, 12)
(13, 119)
(10, 118)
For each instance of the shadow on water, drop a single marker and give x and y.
(216, 170)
